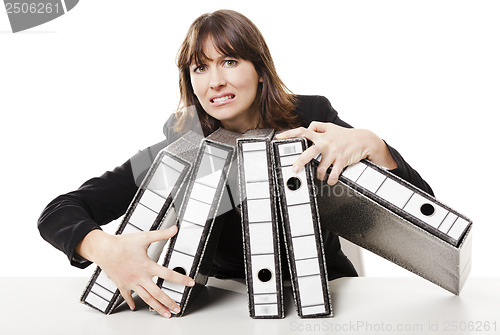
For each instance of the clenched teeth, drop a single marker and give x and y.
(224, 98)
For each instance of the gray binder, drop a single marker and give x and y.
(303, 239)
(153, 207)
(191, 249)
(383, 213)
(259, 218)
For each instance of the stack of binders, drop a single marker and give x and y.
(154, 207)
(369, 206)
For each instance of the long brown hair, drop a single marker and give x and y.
(234, 35)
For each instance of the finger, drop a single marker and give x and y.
(305, 157)
(162, 297)
(292, 133)
(337, 168)
(151, 301)
(311, 135)
(160, 235)
(321, 172)
(127, 296)
(321, 127)
(325, 163)
(172, 276)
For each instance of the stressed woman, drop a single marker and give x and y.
(227, 79)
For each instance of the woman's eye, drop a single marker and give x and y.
(200, 69)
(230, 63)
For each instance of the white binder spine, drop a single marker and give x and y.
(187, 249)
(302, 229)
(260, 228)
(425, 211)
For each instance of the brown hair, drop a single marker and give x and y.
(234, 35)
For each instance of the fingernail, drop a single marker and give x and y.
(191, 283)
(172, 228)
(295, 168)
(167, 315)
(176, 310)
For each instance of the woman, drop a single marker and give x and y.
(226, 72)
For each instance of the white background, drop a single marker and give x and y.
(82, 93)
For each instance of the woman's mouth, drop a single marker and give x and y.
(222, 99)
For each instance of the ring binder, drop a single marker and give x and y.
(153, 207)
(302, 230)
(383, 213)
(191, 250)
(260, 224)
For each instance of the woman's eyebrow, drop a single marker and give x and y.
(204, 59)
(219, 58)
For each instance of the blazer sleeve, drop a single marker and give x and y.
(320, 109)
(70, 217)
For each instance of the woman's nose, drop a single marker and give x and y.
(217, 80)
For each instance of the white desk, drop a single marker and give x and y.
(361, 306)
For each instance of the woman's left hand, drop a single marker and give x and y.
(339, 147)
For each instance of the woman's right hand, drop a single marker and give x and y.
(124, 259)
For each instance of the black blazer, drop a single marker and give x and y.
(68, 218)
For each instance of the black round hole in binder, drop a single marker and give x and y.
(427, 209)
(180, 270)
(293, 183)
(265, 275)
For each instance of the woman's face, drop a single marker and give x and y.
(227, 89)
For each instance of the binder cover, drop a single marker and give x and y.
(191, 249)
(301, 226)
(259, 218)
(153, 207)
(383, 213)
